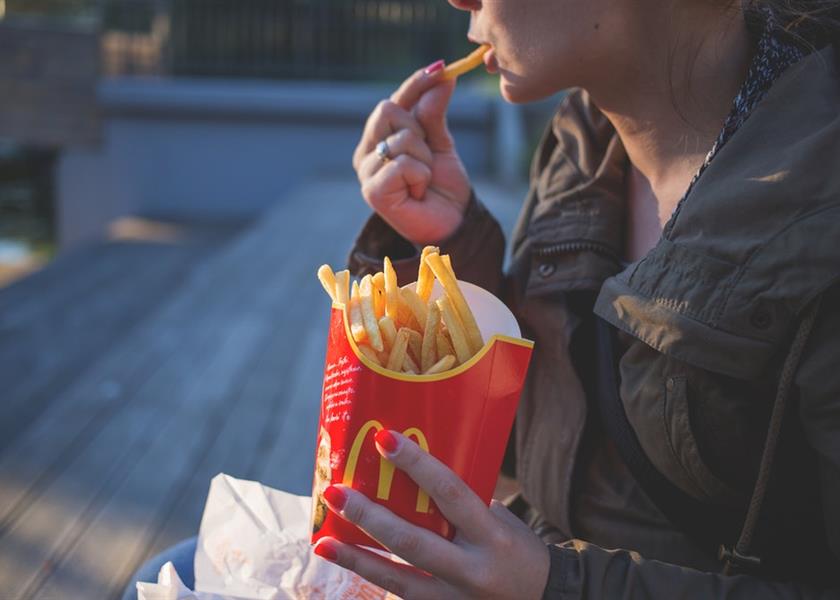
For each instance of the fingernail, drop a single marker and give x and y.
(387, 440)
(326, 551)
(434, 67)
(336, 497)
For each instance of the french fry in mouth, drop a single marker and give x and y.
(466, 64)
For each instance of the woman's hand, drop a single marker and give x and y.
(493, 555)
(421, 189)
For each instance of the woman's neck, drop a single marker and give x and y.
(669, 110)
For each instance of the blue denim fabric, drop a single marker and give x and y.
(181, 555)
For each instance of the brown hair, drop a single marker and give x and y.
(813, 23)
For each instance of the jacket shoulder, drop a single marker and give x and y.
(749, 247)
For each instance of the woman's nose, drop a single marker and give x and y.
(466, 4)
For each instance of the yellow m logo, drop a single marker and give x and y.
(386, 469)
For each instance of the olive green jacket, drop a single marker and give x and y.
(707, 316)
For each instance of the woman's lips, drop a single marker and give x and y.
(490, 62)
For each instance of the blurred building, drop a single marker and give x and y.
(209, 108)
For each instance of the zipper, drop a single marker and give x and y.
(576, 246)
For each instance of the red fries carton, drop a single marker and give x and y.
(463, 417)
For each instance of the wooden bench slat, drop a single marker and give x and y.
(97, 519)
(57, 348)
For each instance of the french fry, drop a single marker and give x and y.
(369, 314)
(466, 64)
(444, 364)
(392, 291)
(456, 329)
(379, 294)
(404, 315)
(425, 277)
(389, 331)
(327, 279)
(398, 352)
(409, 366)
(444, 346)
(428, 349)
(415, 343)
(370, 354)
(448, 262)
(342, 286)
(357, 325)
(399, 329)
(459, 303)
(416, 305)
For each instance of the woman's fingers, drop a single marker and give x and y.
(413, 88)
(422, 548)
(456, 501)
(501, 512)
(405, 141)
(427, 96)
(394, 179)
(402, 580)
(430, 112)
(387, 118)
(423, 94)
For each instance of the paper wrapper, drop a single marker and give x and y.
(254, 545)
(463, 417)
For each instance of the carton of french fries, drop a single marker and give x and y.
(439, 360)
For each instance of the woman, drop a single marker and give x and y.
(700, 228)
(675, 262)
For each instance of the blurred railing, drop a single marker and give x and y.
(295, 39)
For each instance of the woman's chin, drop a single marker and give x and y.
(518, 92)
(514, 94)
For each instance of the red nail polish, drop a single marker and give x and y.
(326, 551)
(434, 67)
(387, 441)
(336, 497)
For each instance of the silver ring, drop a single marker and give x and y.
(383, 151)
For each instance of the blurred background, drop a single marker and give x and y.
(172, 172)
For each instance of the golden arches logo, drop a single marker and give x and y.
(386, 469)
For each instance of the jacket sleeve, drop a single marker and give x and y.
(583, 571)
(477, 249)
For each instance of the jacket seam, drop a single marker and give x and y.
(752, 256)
